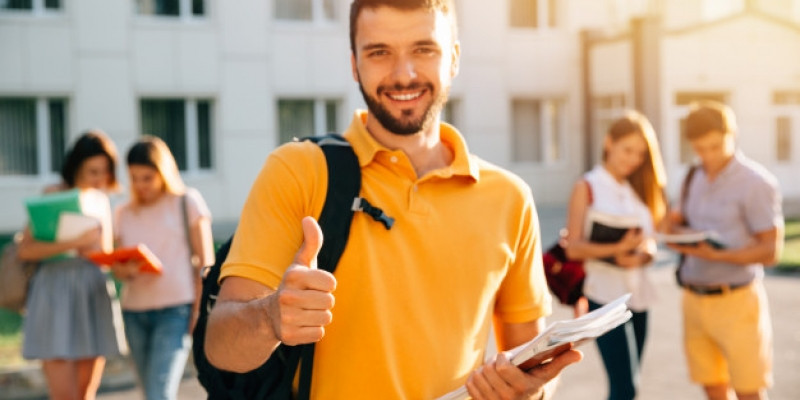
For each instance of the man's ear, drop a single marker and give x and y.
(456, 59)
(353, 66)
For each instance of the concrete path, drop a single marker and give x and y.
(664, 375)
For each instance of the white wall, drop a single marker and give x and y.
(749, 58)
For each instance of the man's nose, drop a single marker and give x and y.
(404, 69)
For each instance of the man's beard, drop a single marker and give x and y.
(404, 126)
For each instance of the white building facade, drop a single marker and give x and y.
(225, 82)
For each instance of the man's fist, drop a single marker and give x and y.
(301, 308)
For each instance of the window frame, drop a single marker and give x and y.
(185, 13)
(548, 157)
(37, 10)
(786, 104)
(319, 108)
(46, 171)
(192, 132)
(318, 17)
(547, 16)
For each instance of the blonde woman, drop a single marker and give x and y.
(629, 183)
(160, 310)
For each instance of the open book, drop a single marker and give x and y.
(148, 262)
(691, 238)
(606, 228)
(556, 338)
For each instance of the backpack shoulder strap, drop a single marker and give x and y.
(687, 180)
(344, 185)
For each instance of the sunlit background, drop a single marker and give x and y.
(225, 82)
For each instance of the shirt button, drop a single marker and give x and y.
(393, 159)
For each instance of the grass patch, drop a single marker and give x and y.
(790, 259)
(10, 338)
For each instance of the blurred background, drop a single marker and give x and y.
(225, 82)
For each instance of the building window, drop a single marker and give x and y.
(533, 13)
(306, 117)
(537, 129)
(171, 8)
(783, 139)
(683, 100)
(35, 6)
(186, 125)
(787, 120)
(305, 10)
(32, 135)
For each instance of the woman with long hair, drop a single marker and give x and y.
(71, 323)
(628, 184)
(174, 222)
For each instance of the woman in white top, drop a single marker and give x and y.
(628, 184)
(159, 311)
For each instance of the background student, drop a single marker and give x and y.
(629, 183)
(71, 323)
(160, 310)
(727, 327)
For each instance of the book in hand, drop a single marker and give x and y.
(62, 213)
(607, 228)
(148, 262)
(558, 336)
(692, 238)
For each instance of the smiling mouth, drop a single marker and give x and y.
(405, 96)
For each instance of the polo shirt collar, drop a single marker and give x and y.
(733, 165)
(366, 148)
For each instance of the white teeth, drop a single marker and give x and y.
(406, 97)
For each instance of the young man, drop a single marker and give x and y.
(727, 329)
(414, 304)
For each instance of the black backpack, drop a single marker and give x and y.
(274, 378)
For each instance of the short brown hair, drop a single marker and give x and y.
(91, 143)
(446, 7)
(708, 116)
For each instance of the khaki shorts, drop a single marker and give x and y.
(728, 338)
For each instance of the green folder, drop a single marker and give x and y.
(44, 212)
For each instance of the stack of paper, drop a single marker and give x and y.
(556, 337)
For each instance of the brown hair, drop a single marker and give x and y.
(706, 116)
(91, 143)
(446, 7)
(151, 151)
(649, 180)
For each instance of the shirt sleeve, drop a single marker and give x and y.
(524, 295)
(763, 209)
(288, 188)
(196, 207)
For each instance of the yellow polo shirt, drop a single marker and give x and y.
(414, 304)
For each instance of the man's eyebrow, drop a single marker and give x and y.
(374, 46)
(426, 42)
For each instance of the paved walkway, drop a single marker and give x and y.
(664, 375)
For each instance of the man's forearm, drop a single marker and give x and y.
(764, 253)
(239, 337)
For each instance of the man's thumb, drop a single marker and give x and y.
(312, 243)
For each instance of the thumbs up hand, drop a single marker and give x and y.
(301, 307)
